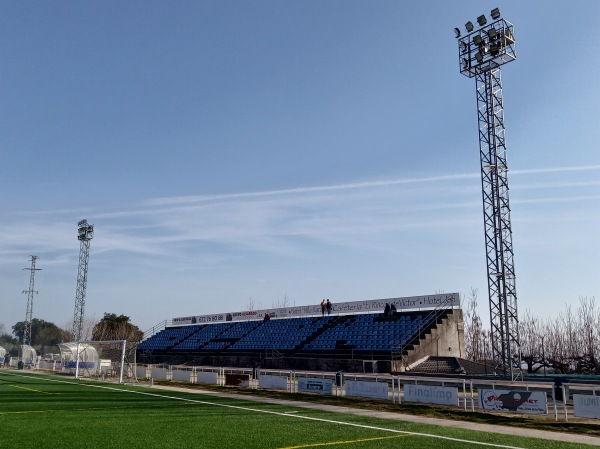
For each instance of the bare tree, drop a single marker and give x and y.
(568, 343)
(586, 361)
(474, 333)
(281, 303)
(530, 338)
(571, 341)
(86, 329)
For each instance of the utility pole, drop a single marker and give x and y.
(30, 292)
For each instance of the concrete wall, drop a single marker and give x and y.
(294, 363)
(447, 340)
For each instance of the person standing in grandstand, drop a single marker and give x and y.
(328, 306)
(386, 310)
(393, 309)
(323, 306)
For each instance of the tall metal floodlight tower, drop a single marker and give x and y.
(85, 233)
(30, 292)
(482, 53)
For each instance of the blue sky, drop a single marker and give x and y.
(239, 151)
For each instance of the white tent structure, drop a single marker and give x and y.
(2, 355)
(28, 356)
(88, 359)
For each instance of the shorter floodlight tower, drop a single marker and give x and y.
(85, 233)
(30, 292)
(482, 52)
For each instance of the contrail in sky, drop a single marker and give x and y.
(356, 185)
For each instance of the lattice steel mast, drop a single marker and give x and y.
(85, 233)
(482, 52)
(30, 292)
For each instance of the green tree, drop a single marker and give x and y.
(113, 327)
(43, 333)
(10, 343)
(7, 339)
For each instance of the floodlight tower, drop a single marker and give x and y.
(482, 53)
(85, 233)
(30, 292)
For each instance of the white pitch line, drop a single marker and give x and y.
(310, 418)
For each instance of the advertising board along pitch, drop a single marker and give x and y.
(586, 406)
(513, 400)
(445, 300)
(431, 394)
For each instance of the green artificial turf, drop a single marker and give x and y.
(40, 411)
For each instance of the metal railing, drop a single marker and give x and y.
(487, 395)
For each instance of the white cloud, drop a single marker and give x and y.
(269, 221)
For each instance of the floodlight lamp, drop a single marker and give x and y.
(466, 63)
(494, 50)
(457, 32)
(495, 13)
(463, 46)
(469, 26)
(479, 57)
(477, 39)
(492, 33)
(481, 20)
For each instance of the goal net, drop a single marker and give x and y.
(111, 360)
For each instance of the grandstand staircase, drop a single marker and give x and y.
(314, 336)
(273, 354)
(156, 329)
(412, 350)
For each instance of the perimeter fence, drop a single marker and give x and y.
(561, 401)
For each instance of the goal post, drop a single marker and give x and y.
(91, 357)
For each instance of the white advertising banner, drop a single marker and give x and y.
(313, 385)
(513, 400)
(375, 390)
(273, 382)
(159, 373)
(586, 406)
(431, 394)
(181, 374)
(206, 377)
(373, 305)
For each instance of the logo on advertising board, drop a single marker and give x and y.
(312, 385)
(375, 390)
(431, 394)
(586, 406)
(513, 400)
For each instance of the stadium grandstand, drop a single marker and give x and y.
(363, 336)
